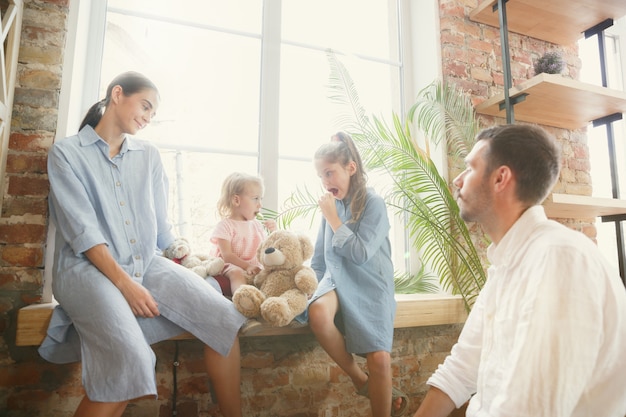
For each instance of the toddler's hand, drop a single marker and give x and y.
(270, 225)
(252, 270)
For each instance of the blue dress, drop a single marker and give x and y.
(121, 202)
(355, 262)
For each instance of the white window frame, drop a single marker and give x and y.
(83, 58)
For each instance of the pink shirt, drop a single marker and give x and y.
(245, 237)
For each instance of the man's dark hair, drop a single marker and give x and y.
(531, 153)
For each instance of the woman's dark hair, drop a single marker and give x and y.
(131, 83)
(342, 150)
(530, 152)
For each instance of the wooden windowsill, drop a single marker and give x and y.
(413, 310)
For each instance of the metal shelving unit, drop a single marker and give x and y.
(554, 100)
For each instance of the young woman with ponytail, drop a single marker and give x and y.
(116, 294)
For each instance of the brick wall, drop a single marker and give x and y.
(282, 376)
(285, 376)
(471, 55)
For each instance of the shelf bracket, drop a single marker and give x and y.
(613, 218)
(607, 119)
(500, 7)
(513, 100)
(596, 29)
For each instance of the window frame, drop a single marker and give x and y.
(418, 26)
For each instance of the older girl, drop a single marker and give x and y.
(352, 261)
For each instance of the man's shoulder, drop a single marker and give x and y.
(551, 235)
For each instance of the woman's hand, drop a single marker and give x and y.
(139, 299)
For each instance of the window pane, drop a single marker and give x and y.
(300, 175)
(600, 163)
(219, 13)
(205, 57)
(351, 26)
(308, 116)
(195, 183)
(209, 86)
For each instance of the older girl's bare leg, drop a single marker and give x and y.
(322, 322)
(379, 385)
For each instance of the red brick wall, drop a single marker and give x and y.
(287, 376)
(23, 220)
(471, 56)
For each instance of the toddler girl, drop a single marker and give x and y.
(238, 235)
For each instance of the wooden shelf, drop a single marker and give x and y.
(567, 206)
(554, 100)
(556, 21)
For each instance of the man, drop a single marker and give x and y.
(547, 335)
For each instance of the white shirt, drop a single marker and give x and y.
(547, 334)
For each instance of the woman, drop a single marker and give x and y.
(116, 294)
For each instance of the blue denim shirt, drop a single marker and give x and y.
(121, 202)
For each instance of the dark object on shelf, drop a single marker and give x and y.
(550, 63)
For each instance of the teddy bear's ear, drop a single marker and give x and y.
(306, 245)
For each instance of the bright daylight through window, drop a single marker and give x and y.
(615, 55)
(244, 88)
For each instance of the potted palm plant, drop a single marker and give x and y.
(419, 192)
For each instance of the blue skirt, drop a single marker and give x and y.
(94, 324)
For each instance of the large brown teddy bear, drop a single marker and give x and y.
(282, 288)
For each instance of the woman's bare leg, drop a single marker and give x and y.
(322, 322)
(88, 408)
(225, 375)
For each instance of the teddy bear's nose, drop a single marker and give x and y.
(269, 250)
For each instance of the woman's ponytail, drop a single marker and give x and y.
(94, 114)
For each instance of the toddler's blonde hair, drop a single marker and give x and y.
(235, 184)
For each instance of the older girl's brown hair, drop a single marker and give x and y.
(342, 150)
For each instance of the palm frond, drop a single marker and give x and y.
(419, 193)
(446, 115)
(434, 225)
(301, 204)
(421, 282)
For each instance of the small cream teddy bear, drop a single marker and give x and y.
(202, 264)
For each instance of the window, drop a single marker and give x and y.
(243, 84)
(615, 60)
